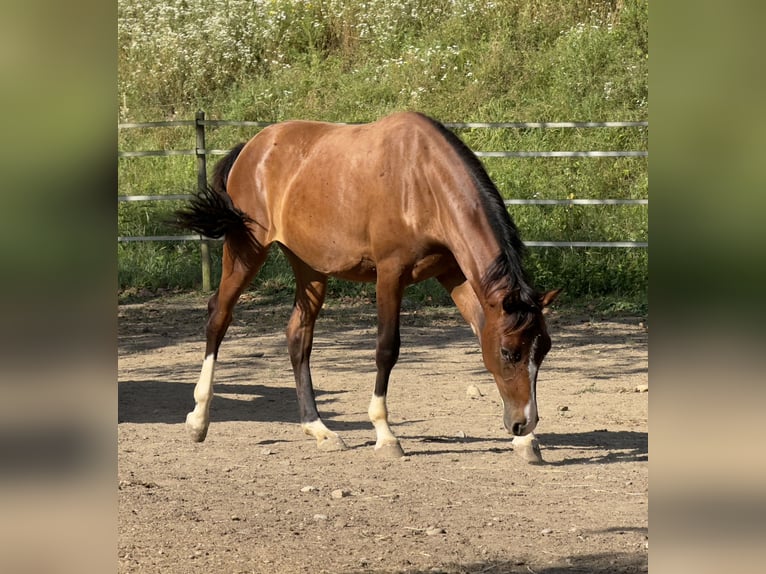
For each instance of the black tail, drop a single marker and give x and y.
(212, 213)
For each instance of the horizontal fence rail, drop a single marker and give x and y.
(201, 152)
(134, 239)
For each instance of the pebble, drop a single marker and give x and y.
(641, 389)
(545, 531)
(235, 518)
(320, 517)
(434, 531)
(267, 451)
(340, 493)
(309, 489)
(563, 408)
(473, 392)
(460, 434)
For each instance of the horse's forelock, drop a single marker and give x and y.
(519, 313)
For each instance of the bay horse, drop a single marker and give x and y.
(392, 202)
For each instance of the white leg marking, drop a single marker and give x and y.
(523, 441)
(198, 420)
(317, 429)
(528, 448)
(379, 417)
(327, 440)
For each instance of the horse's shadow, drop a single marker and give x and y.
(620, 446)
(153, 401)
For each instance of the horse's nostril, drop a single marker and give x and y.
(517, 429)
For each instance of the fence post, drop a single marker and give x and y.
(204, 246)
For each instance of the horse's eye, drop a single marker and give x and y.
(510, 356)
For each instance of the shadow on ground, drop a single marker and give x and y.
(617, 563)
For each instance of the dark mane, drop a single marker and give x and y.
(506, 272)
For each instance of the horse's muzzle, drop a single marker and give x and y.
(519, 427)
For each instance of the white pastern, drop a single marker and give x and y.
(528, 448)
(199, 419)
(327, 440)
(317, 429)
(379, 416)
(525, 441)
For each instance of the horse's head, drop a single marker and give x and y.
(514, 343)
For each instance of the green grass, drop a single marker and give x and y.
(457, 60)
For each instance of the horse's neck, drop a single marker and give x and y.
(475, 248)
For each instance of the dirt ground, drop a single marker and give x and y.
(257, 496)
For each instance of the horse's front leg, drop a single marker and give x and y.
(310, 293)
(389, 297)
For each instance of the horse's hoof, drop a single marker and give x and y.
(197, 433)
(389, 450)
(331, 444)
(530, 452)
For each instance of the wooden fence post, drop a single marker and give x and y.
(204, 246)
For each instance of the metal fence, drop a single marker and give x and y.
(201, 152)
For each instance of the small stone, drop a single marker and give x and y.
(641, 389)
(546, 531)
(236, 518)
(460, 434)
(339, 493)
(267, 452)
(563, 408)
(309, 489)
(320, 517)
(473, 392)
(435, 531)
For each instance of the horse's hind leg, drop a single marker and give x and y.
(236, 275)
(389, 299)
(310, 291)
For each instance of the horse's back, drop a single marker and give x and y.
(360, 191)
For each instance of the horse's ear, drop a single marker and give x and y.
(549, 297)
